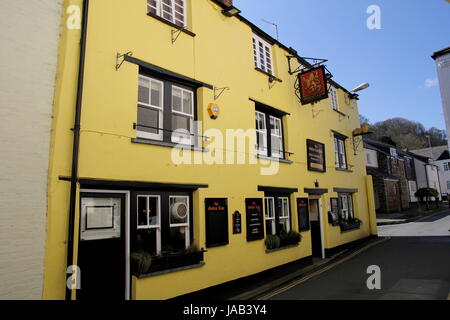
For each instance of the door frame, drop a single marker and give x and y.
(127, 194)
(321, 224)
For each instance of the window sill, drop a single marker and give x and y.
(275, 159)
(167, 144)
(268, 251)
(158, 273)
(344, 170)
(171, 24)
(269, 75)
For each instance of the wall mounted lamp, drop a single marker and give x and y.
(231, 11)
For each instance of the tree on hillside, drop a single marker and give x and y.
(406, 134)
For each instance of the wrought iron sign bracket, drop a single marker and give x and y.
(316, 62)
(219, 91)
(175, 35)
(357, 140)
(120, 59)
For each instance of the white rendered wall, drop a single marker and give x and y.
(28, 58)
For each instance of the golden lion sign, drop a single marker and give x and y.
(313, 85)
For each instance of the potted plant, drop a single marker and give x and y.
(427, 193)
(272, 242)
(140, 262)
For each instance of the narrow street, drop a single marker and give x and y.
(414, 264)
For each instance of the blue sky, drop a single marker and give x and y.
(395, 60)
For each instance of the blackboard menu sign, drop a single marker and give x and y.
(255, 219)
(216, 222)
(237, 223)
(303, 214)
(316, 156)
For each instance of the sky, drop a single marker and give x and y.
(395, 60)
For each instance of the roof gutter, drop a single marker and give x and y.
(76, 141)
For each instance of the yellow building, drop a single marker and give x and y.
(255, 164)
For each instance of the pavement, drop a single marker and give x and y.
(410, 215)
(435, 225)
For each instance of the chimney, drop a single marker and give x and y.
(226, 3)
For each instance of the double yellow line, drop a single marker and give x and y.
(318, 272)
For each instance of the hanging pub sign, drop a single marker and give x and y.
(255, 219)
(313, 85)
(303, 214)
(237, 223)
(216, 222)
(316, 156)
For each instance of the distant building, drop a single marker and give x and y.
(398, 174)
(441, 159)
(391, 184)
(442, 59)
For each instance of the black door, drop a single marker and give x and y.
(316, 237)
(101, 254)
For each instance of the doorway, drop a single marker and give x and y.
(102, 250)
(316, 229)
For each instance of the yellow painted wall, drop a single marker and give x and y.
(220, 54)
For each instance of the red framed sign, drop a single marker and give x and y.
(313, 85)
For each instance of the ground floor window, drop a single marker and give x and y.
(346, 207)
(277, 213)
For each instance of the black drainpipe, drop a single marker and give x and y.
(76, 141)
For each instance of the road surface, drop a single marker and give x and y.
(414, 265)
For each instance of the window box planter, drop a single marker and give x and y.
(349, 225)
(175, 260)
(283, 241)
(170, 261)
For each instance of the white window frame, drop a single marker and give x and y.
(149, 226)
(269, 205)
(334, 98)
(175, 138)
(346, 207)
(285, 215)
(160, 109)
(446, 166)
(262, 146)
(182, 225)
(267, 56)
(173, 5)
(340, 153)
(279, 136)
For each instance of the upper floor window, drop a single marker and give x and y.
(334, 98)
(172, 10)
(340, 153)
(269, 143)
(446, 166)
(262, 51)
(165, 111)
